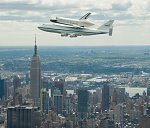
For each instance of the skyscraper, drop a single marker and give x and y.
(83, 97)
(2, 84)
(16, 82)
(114, 96)
(58, 101)
(68, 104)
(105, 97)
(120, 95)
(44, 100)
(35, 76)
(6, 88)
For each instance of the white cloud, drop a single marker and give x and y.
(19, 19)
(123, 8)
(140, 8)
(102, 10)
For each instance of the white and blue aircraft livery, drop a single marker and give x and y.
(77, 30)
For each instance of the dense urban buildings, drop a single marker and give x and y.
(74, 97)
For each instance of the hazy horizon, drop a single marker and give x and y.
(115, 45)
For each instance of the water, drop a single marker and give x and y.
(131, 90)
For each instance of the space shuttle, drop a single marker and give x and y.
(82, 22)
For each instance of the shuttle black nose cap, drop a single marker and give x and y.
(53, 20)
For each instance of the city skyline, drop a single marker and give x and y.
(109, 86)
(19, 21)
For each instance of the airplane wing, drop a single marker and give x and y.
(85, 16)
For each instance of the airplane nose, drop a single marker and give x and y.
(39, 27)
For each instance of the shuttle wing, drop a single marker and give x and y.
(85, 16)
(76, 26)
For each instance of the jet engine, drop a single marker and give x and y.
(73, 35)
(64, 34)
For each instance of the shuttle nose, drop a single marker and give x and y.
(53, 20)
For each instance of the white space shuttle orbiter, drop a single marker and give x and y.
(82, 22)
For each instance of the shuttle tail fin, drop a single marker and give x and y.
(108, 26)
(85, 16)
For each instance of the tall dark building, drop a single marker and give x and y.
(83, 96)
(23, 117)
(148, 91)
(44, 100)
(2, 88)
(16, 82)
(58, 101)
(105, 97)
(114, 97)
(6, 88)
(35, 76)
(121, 95)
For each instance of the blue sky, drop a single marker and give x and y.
(19, 20)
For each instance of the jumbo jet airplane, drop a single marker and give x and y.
(82, 22)
(74, 31)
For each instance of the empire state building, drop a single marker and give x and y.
(35, 75)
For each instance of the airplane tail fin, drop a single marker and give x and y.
(108, 26)
(85, 16)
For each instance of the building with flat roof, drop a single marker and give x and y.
(44, 100)
(23, 117)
